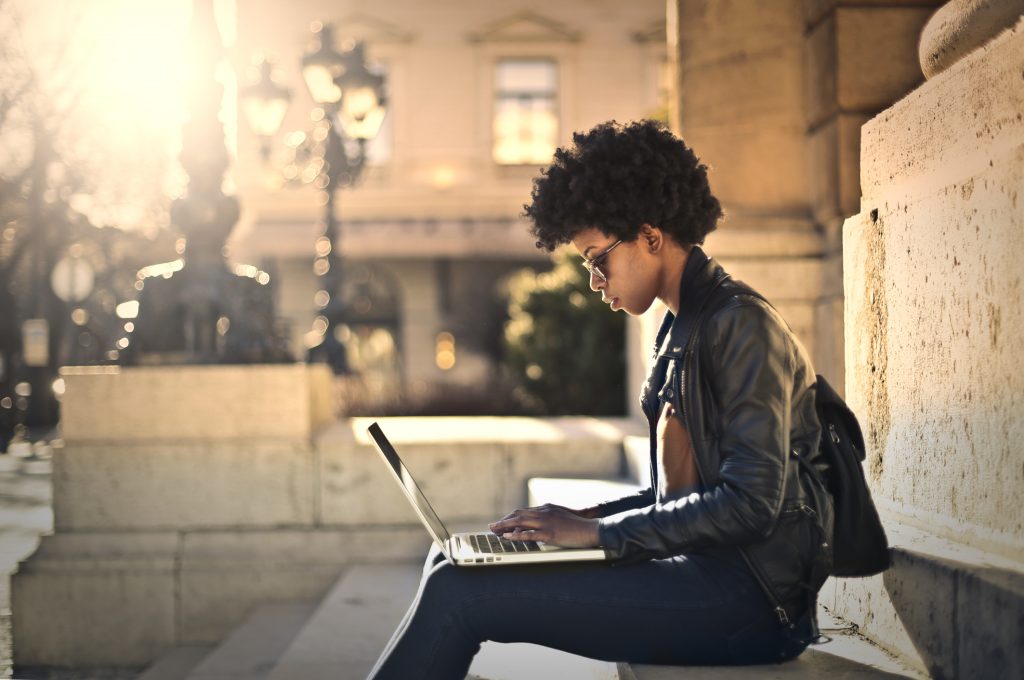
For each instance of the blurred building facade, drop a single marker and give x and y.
(479, 96)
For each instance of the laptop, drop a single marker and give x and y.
(471, 549)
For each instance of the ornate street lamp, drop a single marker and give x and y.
(265, 102)
(352, 100)
(322, 66)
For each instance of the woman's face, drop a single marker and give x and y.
(632, 270)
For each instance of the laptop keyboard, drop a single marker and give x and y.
(491, 543)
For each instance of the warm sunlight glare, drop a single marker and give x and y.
(119, 68)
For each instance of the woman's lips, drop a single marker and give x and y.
(614, 301)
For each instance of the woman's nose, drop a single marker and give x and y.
(596, 282)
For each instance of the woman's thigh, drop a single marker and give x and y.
(684, 610)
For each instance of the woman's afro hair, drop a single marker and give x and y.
(617, 178)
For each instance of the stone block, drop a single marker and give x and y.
(821, 100)
(352, 625)
(780, 279)
(960, 122)
(224, 575)
(216, 600)
(103, 403)
(817, 10)
(460, 478)
(471, 469)
(573, 492)
(637, 450)
(588, 448)
(862, 58)
(994, 598)
(834, 157)
(932, 273)
(943, 606)
(758, 235)
(828, 348)
(180, 485)
(741, 103)
(876, 50)
(324, 546)
(256, 645)
(94, 600)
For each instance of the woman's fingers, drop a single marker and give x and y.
(526, 517)
(526, 535)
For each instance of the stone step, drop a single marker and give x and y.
(177, 663)
(577, 493)
(521, 661)
(347, 633)
(349, 629)
(848, 656)
(943, 605)
(251, 651)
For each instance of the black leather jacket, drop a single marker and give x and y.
(744, 387)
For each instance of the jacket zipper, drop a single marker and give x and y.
(773, 598)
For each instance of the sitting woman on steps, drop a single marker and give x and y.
(720, 561)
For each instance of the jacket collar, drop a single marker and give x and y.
(701, 276)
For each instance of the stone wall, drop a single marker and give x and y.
(186, 496)
(933, 321)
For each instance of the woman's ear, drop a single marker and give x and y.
(653, 237)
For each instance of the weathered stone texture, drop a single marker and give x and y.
(861, 59)
(109, 403)
(471, 469)
(741, 87)
(937, 374)
(183, 485)
(933, 318)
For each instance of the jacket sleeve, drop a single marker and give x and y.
(641, 499)
(750, 376)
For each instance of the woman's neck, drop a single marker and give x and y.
(675, 265)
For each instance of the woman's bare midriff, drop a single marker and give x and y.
(677, 468)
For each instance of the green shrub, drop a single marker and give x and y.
(564, 346)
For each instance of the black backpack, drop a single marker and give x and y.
(860, 547)
(859, 544)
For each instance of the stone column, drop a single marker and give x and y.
(933, 368)
(772, 95)
(859, 58)
(741, 107)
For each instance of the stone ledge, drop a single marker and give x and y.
(178, 403)
(91, 599)
(946, 608)
(471, 469)
(846, 656)
(949, 129)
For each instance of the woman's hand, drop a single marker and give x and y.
(550, 524)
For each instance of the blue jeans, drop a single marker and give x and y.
(703, 609)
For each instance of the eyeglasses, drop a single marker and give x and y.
(593, 265)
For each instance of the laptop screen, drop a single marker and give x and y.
(411, 489)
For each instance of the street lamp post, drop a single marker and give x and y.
(352, 100)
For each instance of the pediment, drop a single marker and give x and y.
(374, 31)
(654, 32)
(524, 27)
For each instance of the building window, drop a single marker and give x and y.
(525, 111)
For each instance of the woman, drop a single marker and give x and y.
(720, 561)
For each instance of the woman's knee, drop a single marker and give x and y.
(434, 557)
